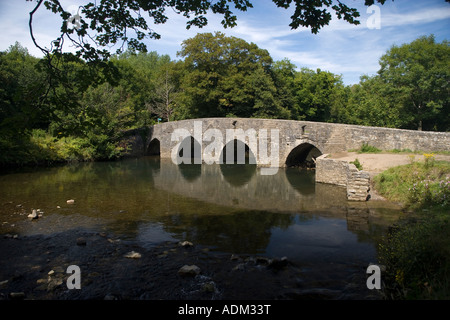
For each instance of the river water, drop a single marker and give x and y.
(228, 208)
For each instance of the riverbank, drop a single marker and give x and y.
(416, 249)
(376, 163)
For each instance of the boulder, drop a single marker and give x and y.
(33, 215)
(81, 241)
(186, 244)
(186, 270)
(133, 255)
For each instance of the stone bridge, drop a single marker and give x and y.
(292, 142)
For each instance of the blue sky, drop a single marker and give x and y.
(341, 48)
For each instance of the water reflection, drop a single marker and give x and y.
(238, 175)
(301, 180)
(231, 208)
(242, 186)
(190, 172)
(245, 231)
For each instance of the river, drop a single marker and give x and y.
(230, 209)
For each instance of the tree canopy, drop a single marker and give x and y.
(227, 76)
(83, 114)
(418, 73)
(126, 23)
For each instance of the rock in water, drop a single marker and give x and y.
(81, 241)
(133, 255)
(186, 244)
(71, 201)
(33, 214)
(189, 270)
(17, 295)
(278, 264)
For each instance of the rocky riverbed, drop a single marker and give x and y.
(35, 267)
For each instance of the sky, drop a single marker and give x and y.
(341, 48)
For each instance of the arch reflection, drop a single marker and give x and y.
(233, 170)
(190, 159)
(303, 181)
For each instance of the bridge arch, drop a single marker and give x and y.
(303, 155)
(189, 151)
(241, 153)
(154, 148)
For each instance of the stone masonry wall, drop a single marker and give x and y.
(331, 171)
(358, 184)
(343, 173)
(326, 137)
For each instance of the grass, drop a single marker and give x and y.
(409, 151)
(366, 148)
(416, 251)
(417, 184)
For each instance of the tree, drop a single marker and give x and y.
(314, 93)
(166, 91)
(370, 104)
(227, 76)
(142, 76)
(21, 105)
(104, 23)
(419, 74)
(284, 73)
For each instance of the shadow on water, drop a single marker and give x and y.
(301, 180)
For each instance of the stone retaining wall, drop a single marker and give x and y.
(343, 173)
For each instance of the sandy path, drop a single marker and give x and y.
(375, 163)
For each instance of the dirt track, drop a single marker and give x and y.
(375, 163)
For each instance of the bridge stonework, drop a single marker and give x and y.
(326, 137)
(295, 137)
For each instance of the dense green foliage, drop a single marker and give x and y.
(416, 251)
(89, 106)
(416, 254)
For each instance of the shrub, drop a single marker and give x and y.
(429, 193)
(429, 159)
(357, 164)
(366, 148)
(416, 254)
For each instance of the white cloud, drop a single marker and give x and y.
(416, 17)
(340, 47)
